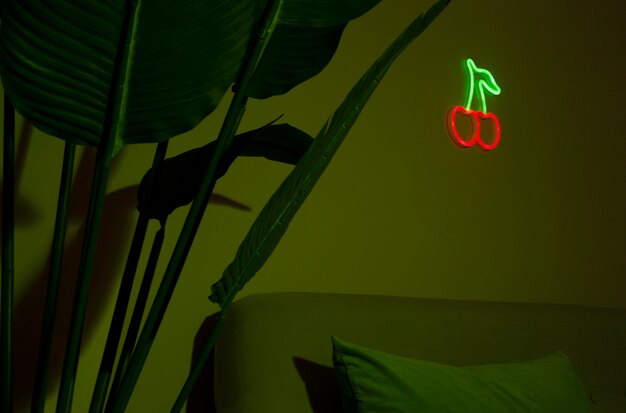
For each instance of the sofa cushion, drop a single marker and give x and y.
(375, 381)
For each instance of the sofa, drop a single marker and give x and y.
(275, 354)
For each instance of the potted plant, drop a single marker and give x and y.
(108, 74)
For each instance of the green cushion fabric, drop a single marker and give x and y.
(374, 381)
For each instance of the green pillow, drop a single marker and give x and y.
(373, 381)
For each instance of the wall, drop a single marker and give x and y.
(402, 210)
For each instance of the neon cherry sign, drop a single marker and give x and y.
(479, 83)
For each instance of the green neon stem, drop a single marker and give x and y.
(8, 263)
(192, 222)
(38, 401)
(485, 84)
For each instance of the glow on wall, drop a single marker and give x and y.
(480, 82)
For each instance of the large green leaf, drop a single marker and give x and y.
(304, 37)
(275, 217)
(294, 54)
(321, 13)
(127, 71)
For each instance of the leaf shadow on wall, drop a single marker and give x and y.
(26, 212)
(202, 398)
(118, 221)
(321, 385)
(320, 381)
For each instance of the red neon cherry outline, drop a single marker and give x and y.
(496, 122)
(475, 137)
(454, 133)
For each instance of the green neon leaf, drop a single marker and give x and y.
(62, 62)
(479, 83)
(272, 222)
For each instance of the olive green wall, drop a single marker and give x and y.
(402, 210)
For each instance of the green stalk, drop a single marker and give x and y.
(8, 264)
(112, 132)
(54, 278)
(271, 223)
(139, 309)
(235, 113)
(92, 227)
(119, 400)
(200, 362)
(119, 314)
(121, 306)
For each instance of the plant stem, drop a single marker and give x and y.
(233, 118)
(119, 314)
(200, 363)
(92, 227)
(112, 134)
(196, 371)
(119, 400)
(138, 311)
(8, 263)
(121, 306)
(54, 277)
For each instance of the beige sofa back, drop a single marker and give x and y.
(274, 354)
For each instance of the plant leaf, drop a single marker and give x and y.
(176, 181)
(294, 54)
(272, 222)
(62, 63)
(281, 143)
(304, 37)
(322, 13)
